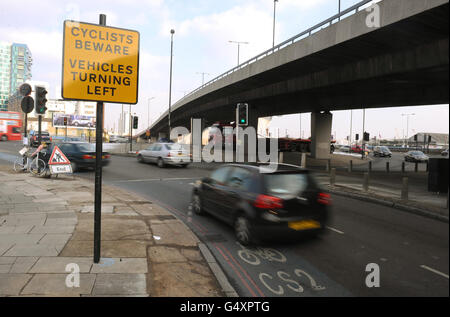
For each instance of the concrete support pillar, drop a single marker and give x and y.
(321, 134)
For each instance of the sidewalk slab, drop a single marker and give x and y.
(11, 284)
(121, 265)
(55, 285)
(58, 264)
(124, 284)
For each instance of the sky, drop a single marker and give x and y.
(203, 29)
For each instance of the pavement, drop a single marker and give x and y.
(46, 237)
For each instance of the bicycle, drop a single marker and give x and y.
(36, 166)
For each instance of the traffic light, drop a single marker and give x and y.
(357, 137)
(41, 100)
(135, 122)
(242, 109)
(366, 136)
(65, 121)
(415, 137)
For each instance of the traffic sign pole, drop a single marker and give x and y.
(98, 172)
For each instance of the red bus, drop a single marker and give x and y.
(10, 126)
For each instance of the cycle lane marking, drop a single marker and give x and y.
(434, 271)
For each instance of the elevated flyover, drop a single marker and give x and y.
(342, 63)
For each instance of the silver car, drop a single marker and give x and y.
(165, 154)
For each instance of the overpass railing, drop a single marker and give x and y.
(355, 8)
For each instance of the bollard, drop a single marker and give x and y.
(350, 166)
(303, 161)
(328, 166)
(280, 157)
(403, 167)
(366, 182)
(416, 167)
(370, 166)
(387, 167)
(333, 176)
(427, 167)
(404, 195)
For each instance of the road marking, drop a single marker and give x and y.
(434, 271)
(335, 230)
(151, 180)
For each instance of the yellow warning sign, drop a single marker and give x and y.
(100, 63)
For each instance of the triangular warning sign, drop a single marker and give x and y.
(58, 157)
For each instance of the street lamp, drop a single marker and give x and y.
(172, 32)
(274, 11)
(238, 45)
(407, 126)
(203, 76)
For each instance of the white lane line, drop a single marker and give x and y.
(335, 230)
(152, 180)
(434, 271)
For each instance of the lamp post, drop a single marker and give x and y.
(238, 45)
(274, 12)
(407, 126)
(203, 76)
(172, 32)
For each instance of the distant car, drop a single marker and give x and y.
(415, 156)
(118, 139)
(82, 122)
(382, 151)
(356, 149)
(445, 152)
(165, 154)
(33, 138)
(263, 206)
(344, 148)
(82, 155)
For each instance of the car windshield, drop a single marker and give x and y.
(384, 149)
(417, 153)
(286, 185)
(86, 147)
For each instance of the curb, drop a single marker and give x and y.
(392, 204)
(217, 271)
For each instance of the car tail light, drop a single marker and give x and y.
(268, 202)
(88, 157)
(324, 199)
(107, 156)
(168, 155)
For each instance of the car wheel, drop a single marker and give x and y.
(140, 159)
(4, 138)
(74, 167)
(197, 204)
(160, 162)
(242, 230)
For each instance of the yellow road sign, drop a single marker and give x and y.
(100, 63)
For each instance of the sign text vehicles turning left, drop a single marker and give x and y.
(100, 63)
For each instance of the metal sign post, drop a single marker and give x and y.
(98, 173)
(115, 80)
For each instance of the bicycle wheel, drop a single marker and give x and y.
(38, 167)
(18, 165)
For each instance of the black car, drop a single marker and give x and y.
(81, 155)
(382, 151)
(34, 138)
(416, 156)
(263, 206)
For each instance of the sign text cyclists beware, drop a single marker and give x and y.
(100, 63)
